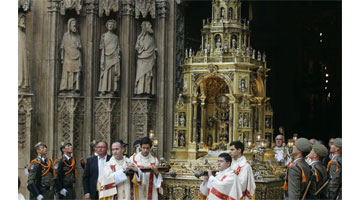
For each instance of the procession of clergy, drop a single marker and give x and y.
(120, 177)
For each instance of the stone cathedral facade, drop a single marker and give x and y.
(75, 85)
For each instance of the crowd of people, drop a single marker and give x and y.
(313, 172)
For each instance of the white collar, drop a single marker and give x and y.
(102, 158)
(241, 160)
(297, 159)
(313, 162)
(67, 157)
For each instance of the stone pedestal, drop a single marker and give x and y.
(24, 138)
(107, 119)
(142, 117)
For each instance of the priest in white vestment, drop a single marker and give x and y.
(113, 182)
(243, 170)
(149, 186)
(223, 186)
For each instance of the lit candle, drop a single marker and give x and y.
(155, 142)
(152, 134)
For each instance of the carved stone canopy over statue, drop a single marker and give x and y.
(105, 6)
(144, 7)
(146, 59)
(70, 4)
(23, 70)
(71, 59)
(109, 60)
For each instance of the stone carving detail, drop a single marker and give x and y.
(78, 128)
(127, 7)
(194, 77)
(162, 8)
(144, 7)
(109, 61)
(71, 59)
(24, 120)
(69, 5)
(141, 117)
(146, 60)
(107, 113)
(105, 6)
(25, 4)
(23, 64)
(68, 110)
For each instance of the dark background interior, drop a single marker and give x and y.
(289, 33)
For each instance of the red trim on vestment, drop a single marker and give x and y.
(237, 171)
(223, 178)
(220, 195)
(108, 186)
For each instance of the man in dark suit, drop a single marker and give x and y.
(93, 168)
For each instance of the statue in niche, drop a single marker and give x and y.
(146, 57)
(23, 71)
(230, 13)
(242, 86)
(233, 42)
(222, 13)
(109, 60)
(182, 119)
(246, 121)
(71, 58)
(240, 121)
(210, 122)
(181, 139)
(218, 43)
(208, 47)
(205, 52)
(268, 123)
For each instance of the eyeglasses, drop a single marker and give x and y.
(103, 147)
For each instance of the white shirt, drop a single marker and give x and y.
(67, 157)
(101, 164)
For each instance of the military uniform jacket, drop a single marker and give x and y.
(298, 177)
(320, 177)
(334, 169)
(40, 175)
(65, 173)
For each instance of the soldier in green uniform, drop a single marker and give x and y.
(66, 173)
(318, 152)
(334, 169)
(40, 179)
(299, 173)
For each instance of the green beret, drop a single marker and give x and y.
(320, 150)
(303, 145)
(338, 142)
(40, 144)
(63, 144)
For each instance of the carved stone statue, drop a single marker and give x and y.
(242, 86)
(205, 52)
(109, 60)
(182, 139)
(71, 58)
(23, 71)
(146, 57)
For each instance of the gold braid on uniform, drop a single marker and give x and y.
(47, 167)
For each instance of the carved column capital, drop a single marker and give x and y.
(162, 8)
(127, 7)
(91, 6)
(106, 6)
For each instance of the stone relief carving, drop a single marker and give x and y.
(24, 120)
(71, 59)
(105, 6)
(140, 116)
(109, 61)
(25, 4)
(78, 128)
(68, 109)
(103, 109)
(162, 8)
(69, 5)
(144, 7)
(23, 70)
(146, 59)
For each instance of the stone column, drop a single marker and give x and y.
(24, 137)
(171, 76)
(90, 51)
(107, 119)
(161, 75)
(51, 84)
(231, 122)
(194, 121)
(127, 37)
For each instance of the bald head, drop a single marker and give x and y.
(279, 140)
